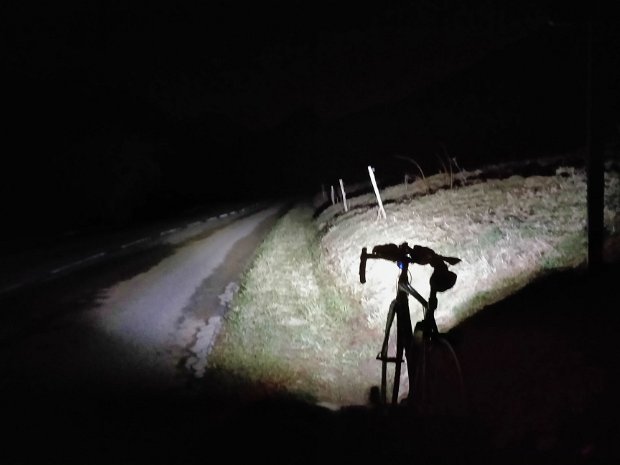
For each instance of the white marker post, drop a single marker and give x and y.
(344, 197)
(333, 199)
(381, 213)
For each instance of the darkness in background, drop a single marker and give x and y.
(125, 112)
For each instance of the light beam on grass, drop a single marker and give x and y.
(303, 320)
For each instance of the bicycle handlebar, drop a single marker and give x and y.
(442, 278)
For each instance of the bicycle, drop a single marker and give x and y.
(432, 364)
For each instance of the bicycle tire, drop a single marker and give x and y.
(437, 388)
(394, 352)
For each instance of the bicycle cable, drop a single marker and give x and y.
(408, 279)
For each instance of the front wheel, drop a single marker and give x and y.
(392, 354)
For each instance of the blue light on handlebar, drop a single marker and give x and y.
(400, 265)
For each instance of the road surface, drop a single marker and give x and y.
(114, 335)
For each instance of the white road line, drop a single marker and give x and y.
(129, 244)
(170, 231)
(79, 262)
(12, 287)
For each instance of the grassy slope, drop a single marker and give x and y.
(303, 323)
(289, 326)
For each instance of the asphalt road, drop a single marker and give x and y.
(80, 351)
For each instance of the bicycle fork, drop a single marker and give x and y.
(383, 355)
(399, 308)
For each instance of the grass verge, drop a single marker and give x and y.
(289, 327)
(302, 322)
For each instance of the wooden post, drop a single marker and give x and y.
(344, 197)
(371, 171)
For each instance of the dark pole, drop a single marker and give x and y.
(594, 153)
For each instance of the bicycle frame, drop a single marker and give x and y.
(400, 309)
(428, 320)
(403, 255)
(405, 289)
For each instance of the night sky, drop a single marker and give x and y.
(121, 112)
